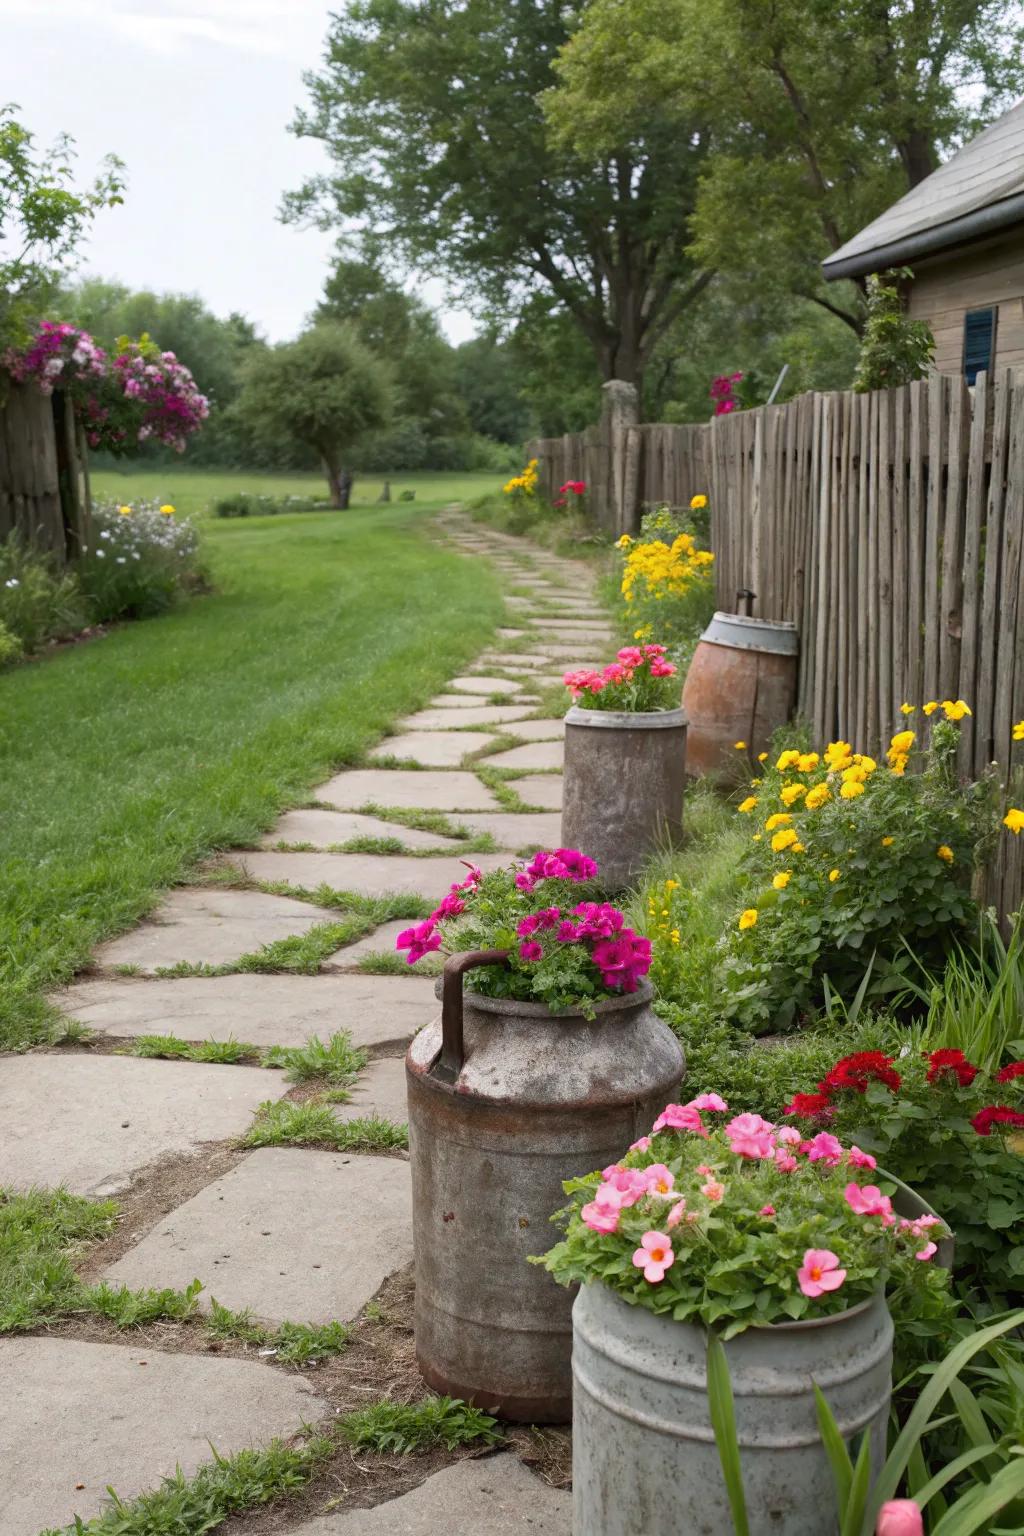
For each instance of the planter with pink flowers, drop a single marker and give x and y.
(722, 1237)
(625, 762)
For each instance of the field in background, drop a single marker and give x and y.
(193, 491)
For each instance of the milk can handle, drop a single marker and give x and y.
(449, 1063)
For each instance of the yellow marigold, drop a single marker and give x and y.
(817, 796)
(855, 774)
(898, 762)
(675, 935)
(902, 741)
(798, 848)
(930, 707)
(740, 746)
(696, 502)
(954, 709)
(791, 793)
(167, 510)
(125, 511)
(748, 918)
(863, 761)
(836, 751)
(887, 842)
(833, 875)
(762, 757)
(807, 761)
(777, 819)
(747, 804)
(1018, 731)
(1014, 820)
(671, 885)
(782, 879)
(945, 853)
(851, 789)
(783, 839)
(623, 543)
(907, 709)
(756, 837)
(787, 760)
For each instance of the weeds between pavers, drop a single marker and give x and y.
(336, 1061)
(401, 1429)
(501, 783)
(386, 962)
(284, 1124)
(386, 846)
(43, 1234)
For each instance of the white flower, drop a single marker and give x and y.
(104, 533)
(100, 554)
(120, 559)
(14, 582)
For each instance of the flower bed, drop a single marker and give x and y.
(142, 558)
(667, 582)
(635, 683)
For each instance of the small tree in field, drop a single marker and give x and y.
(325, 389)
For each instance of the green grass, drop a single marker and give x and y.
(336, 1062)
(125, 760)
(283, 1124)
(401, 1429)
(195, 490)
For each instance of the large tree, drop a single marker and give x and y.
(821, 112)
(430, 112)
(326, 390)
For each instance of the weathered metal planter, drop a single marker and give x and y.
(505, 1101)
(644, 1453)
(622, 786)
(741, 686)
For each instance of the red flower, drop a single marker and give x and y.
(860, 1069)
(810, 1105)
(1007, 1074)
(947, 1063)
(995, 1114)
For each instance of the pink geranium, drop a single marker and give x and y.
(750, 1136)
(869, 1201)
(679, 1117)
(529, 949)
(654, 1256)
(858, 1159)
(600, 1217)
(820, 1272)
(712, 1101)
(825, 1148)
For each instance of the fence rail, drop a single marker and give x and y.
(888, 527)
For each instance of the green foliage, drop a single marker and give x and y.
(40, 1234)
(338, 1062)
(216, 1052)
(140, 562)
(976, 1004)
(134, 1309)
(327, 389)
(894, 349)
(10, 646)
(292, 1343)
(403, 1429)
(283, 1124)
(38, 600)
(249, 504)
(861, 862)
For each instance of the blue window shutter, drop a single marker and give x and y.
(979, 342)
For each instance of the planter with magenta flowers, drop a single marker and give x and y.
(547, 1057)
(722, 1248)
(625, 762)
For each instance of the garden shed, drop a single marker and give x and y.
(961, 230)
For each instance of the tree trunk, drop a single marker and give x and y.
(339, 482)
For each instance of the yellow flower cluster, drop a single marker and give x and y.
(662, 927)
(666, 570)
(523, 484)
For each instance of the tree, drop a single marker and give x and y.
(42, 220)
(895, 349)
(821, 113)
(325, 389)
(429, 110)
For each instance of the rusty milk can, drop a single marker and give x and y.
(505, 1101)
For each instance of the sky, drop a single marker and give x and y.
(195, 97)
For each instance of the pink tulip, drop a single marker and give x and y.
(899, 1517)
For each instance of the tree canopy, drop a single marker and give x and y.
(326, 390)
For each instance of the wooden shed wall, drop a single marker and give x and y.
(946, 287)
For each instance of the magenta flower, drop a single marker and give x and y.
(419, 941)
(767, 1210)
(567, 933)
(529, 949)
(900, 1517)
(528, 925)
(632, 656)
(824, 1148)
(785, 1162)
(858, 1159)
(750, 1136)
(820, 1272)
(654, 1256)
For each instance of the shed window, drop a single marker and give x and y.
(979, 342)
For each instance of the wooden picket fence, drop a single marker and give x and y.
(888, 527)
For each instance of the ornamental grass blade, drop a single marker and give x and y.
(859, 1486)
(971, 1416)
(976, 1509)
(929, 1490)
(933, 1391)
(835, 1450)
(723, 1422)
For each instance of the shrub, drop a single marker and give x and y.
(251, 504)
(894, 349)
(143, 558)
(667, 582)
(850, 861)
(38, 600)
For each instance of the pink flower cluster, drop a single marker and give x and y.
(621, 955)
(562, 864)
(631, 659)
(172, 407)
(58, 355)
(423, 938)
(721, 393)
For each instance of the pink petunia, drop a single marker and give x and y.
(641, 1145)
(529, 949)
(654, 1256)
(789, 1135)
(712, 1101)
(767, 1210)
(600, 1218)
(660, 1180)
(869, 1201)
(820, 1272)
(679, 1117)
(858, 1159)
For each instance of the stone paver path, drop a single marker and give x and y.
(288, 1233)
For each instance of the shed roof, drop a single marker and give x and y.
(977, 192)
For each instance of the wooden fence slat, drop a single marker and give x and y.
(974, 515)
(984, 704)
(1007, 639)
(953, 526)
(938, 390)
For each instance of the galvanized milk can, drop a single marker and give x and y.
(505, 1101)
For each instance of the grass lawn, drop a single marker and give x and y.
(194, 491)
(125, 759)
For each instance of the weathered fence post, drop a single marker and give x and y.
(620, 411)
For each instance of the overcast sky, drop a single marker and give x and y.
(195, 97)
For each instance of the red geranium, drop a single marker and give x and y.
(949, 1063)
(860, 1069)
(810, 1105)
(1007, 1074)
(996, 1114)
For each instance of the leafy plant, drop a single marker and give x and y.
(38, 601)
(402, 1429)
(337, 1062)
(143, 558)
(667, 583)
(894, 349)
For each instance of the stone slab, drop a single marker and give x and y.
(514, 830)
(293, 1234)
(511, 661)
(491, 1496)
(263, 1010)
(485, 685)
(90, 1122)
(540, 789)
(447, 701)
(536, 730)
(509, 634)
(406, 789)
(533, 754)
(440, 718)
(79, 1416)
(211, 925)
(369, 874)
(570, 654)
(575, 627)
(326, 828)
(380, 1090)
(433, 749)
